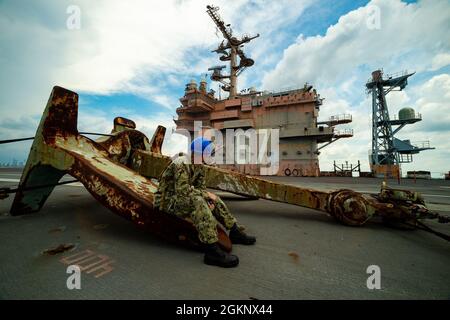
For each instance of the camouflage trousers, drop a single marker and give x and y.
(205, 219)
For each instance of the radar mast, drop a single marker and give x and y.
(230, 48)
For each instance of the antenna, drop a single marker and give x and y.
(230, 48)
(387, 150)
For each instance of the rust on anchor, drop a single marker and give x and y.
(117, 171)
(100, 167)
(349, 207)
(346, 206)
(157, 140)
(121, 124)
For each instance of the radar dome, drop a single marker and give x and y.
(406, 113)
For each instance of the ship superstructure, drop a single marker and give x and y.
(388, 152)
(293, 112)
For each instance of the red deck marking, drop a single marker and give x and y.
(89, 261)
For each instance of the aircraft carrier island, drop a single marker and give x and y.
(293, 112)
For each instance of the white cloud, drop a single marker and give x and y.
(173, 142)
(410, 36)
(430, 99)
(165, 101)
(124, 46)
(132, 38)
(143, 47)
(347, 149)
(140, 47)
(439, 61)
(432, 102)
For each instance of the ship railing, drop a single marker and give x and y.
(421, 144)
(181, 108)
(340, 117)
(416, 116)
(395, 75)
(390, 76)
(281, 90)
(343, 133)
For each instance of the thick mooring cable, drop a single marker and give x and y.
(31, 138)
(15, 140)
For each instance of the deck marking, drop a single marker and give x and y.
(89, 262)
(435, 195)
(9, 180)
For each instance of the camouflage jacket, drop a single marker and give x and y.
(179, 182)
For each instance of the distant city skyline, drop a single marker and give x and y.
(13, 164)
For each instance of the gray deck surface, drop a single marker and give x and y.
(299, 254)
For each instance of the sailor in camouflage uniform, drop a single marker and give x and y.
(182, 191)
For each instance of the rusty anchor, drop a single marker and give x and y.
(117, 170)
(59, 149)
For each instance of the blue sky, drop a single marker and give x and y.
(314, 21)
(134, 59)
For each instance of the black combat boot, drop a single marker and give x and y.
(215, 256)
(239, 237)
